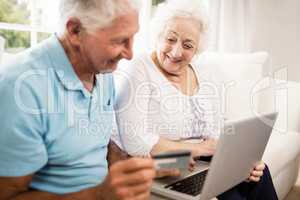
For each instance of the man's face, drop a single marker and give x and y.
(103, 49)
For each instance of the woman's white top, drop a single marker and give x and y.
(149, 106)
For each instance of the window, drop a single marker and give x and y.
(156, 2)
(24, 23)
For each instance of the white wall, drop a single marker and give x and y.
(276, 29)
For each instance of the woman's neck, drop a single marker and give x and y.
(185, 81)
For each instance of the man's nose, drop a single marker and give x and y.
(176, 50)
(127, 52)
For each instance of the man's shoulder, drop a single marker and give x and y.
(34, 59)
(25, 77)
(29, 63)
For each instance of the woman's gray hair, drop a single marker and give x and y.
(94, 14)
(172, 9)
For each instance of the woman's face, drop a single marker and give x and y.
(178, 45)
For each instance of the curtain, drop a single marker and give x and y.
(142, 42)
(230, 25)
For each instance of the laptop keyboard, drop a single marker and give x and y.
(191, 185)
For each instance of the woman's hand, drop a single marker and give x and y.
(167, 172)
(257, 172)
(205, 148)
(192, 164)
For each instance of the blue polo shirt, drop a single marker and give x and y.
(51, 126)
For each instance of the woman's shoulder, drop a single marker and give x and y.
(140, 66)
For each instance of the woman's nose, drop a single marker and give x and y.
(176, 51)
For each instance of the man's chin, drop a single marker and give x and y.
(109, 68)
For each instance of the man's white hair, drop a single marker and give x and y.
(173, 9)
(94, 14)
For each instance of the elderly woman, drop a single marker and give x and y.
(163, 99)
(159, 98)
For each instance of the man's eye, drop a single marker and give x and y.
(120, 41)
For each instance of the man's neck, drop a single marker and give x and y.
(80, 67)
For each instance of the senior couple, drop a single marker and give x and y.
(58, 100)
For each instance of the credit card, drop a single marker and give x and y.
(172, 160)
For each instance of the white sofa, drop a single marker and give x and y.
(282, 153)
(250, 93)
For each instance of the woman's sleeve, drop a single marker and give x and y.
(133, 93)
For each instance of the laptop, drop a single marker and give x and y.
(240, 146)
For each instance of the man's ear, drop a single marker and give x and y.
(74, 29)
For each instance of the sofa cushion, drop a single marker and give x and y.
(281, 149)
(235, 75)
(237, 66)
(282, 96)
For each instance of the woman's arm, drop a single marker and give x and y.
(203, 148)
(133, 94)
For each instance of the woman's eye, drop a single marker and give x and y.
(171, 40)
(188, 46)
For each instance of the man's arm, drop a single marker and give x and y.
(115, 153)
(129, 179)
(17, 188)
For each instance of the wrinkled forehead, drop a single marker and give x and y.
(184, 28)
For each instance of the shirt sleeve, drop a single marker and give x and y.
(22, 150)
(133, 93)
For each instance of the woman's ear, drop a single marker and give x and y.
(74, 30)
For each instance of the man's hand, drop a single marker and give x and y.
(115, 154)
(257, 172)
(129, 179)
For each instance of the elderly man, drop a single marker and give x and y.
(56, 110)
